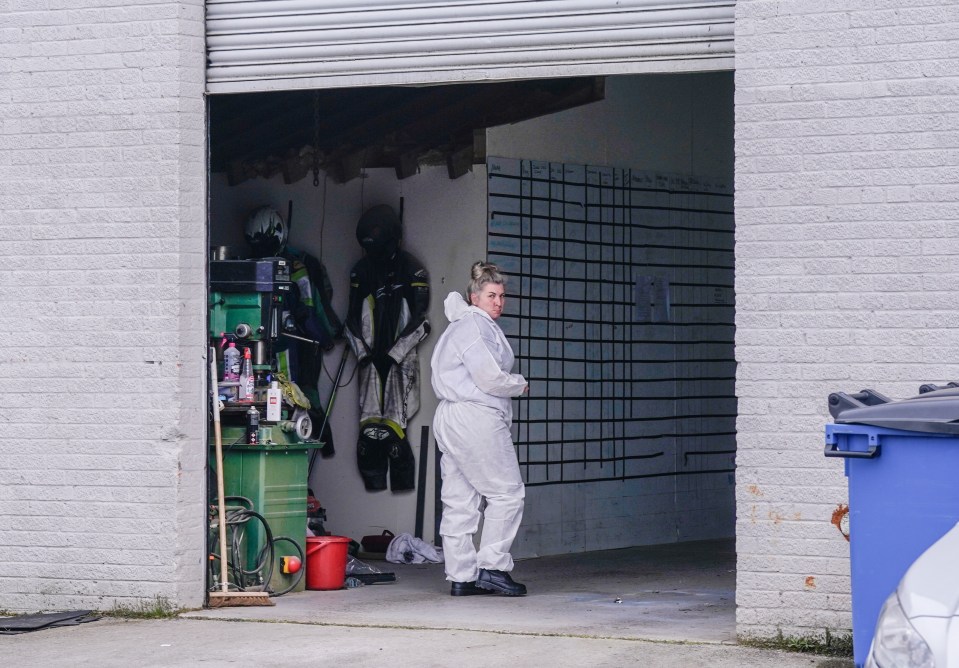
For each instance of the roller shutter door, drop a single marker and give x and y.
(259, 45)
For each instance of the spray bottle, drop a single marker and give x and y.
(247, 379)
(231, 368)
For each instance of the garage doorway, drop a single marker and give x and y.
(663, 439)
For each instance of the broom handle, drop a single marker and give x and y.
(218, 440)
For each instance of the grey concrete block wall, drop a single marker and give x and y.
(102, 304)
(847, 165)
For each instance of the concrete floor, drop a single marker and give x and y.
(680, 592)
(669, 606)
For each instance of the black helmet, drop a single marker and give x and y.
(379, 231)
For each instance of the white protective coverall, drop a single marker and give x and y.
(471, 376)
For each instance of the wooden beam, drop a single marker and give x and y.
(381, 127)
(407, 164)
(479, 146)
(459, 162)
(297, 166)
(348, 166)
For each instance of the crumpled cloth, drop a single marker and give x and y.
(405, 549)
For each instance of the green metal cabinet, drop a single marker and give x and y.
(274, 479)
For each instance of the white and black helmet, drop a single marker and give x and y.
(266, 232)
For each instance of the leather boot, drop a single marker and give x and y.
(499, 582)
(466, 589)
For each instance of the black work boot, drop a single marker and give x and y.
(466, 589)
(499, 582)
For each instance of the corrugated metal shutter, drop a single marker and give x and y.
(283, 44)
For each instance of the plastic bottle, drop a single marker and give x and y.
(247, 379)
(274, 402)
(231, 369)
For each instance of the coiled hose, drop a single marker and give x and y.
(257, 576)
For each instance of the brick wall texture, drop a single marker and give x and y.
(847, 165)
(847, 266)
(102, 304)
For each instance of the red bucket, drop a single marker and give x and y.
(326, 561)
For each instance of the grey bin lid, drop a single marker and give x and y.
(935, 411)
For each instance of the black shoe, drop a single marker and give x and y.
(499, 582)
(466, 589)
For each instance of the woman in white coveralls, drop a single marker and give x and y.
(471, 377)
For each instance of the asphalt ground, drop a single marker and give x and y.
(215, 642)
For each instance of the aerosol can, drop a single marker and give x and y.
(252, 426)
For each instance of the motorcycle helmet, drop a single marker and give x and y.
(266, 232)
(379, 232)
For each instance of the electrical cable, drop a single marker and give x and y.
(331, 378)
(236, 520)
(241, 518)
(257, 577)
(323, 219)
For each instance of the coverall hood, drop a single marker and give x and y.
(455, 307)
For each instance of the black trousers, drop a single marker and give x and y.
(380, 450)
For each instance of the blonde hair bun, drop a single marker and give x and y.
(482, 273)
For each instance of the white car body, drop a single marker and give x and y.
(919, 623)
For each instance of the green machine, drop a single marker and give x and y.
(270, 480)
(265, 482)
(246, 302)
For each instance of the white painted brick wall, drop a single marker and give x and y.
(102, 304)
(847, 182)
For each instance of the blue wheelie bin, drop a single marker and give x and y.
(902, 463)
